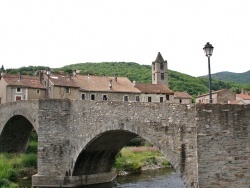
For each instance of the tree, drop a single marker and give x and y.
(2, 68)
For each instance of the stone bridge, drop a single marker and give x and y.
(209, 145)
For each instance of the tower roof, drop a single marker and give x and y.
(159, 58)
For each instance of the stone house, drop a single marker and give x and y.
(155, 93)
(14, 87)
(106, 88)
(219, 97)
(60, 86)
(182, 98)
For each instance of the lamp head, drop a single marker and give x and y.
(208, 49)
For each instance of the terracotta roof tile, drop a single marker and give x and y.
(154, 88)
(26, 81)
(102, 83)
(243, 96)
(182, 95)
(62, 80)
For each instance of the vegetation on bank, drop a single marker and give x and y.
(133, 159)
(16, 165)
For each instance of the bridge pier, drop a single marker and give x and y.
(72, 181)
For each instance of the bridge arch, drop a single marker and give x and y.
(97, 155)
(15, 134)
(19, 119)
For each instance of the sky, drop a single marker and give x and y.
(56, 33)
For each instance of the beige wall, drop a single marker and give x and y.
(32, 93)
(3, 91)
(156, 97)
(59, 92)
(221, 97)
(110, 96)
(183, 101)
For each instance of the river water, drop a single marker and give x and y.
(166, 178)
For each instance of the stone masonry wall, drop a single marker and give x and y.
(223, 146)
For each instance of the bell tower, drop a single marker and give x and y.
(160, 70)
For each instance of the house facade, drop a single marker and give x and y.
(14, 87)
(60, 86)
(182, 98)
(106, 88)
(218, 97)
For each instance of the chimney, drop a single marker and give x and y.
(134, 83)
(116, 78)
(40, 76)
(19, 77)
(74, 72)
(110, 84)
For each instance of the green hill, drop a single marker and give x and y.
(142, 74)
(242, 78)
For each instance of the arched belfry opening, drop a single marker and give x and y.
(15, 134)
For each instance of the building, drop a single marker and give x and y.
(155, 93)
(244, 98)
(59, 86)
(106, 88)
(160, 70)
(158, 91)
(221, 97)
(14, 87)
(182, 98)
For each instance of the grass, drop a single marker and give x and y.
(132, 159)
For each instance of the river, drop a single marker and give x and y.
(160, 178)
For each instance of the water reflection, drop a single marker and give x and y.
(153, 178)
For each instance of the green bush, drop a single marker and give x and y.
(138, 141)
(4, 183)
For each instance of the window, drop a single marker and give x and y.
(161, 99)
(38, 91)
(154, 76)
(125, 98)
(18, 98)
(104, 97)
(137, 98)
(162, 76)
(161, 66)
(18, 90)
(92, 97)
(83, 96)
(180, 100)
(149, 99)
(67, 90)
(167, 97)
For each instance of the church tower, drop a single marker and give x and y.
(160, 70)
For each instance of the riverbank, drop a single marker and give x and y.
(137, 159)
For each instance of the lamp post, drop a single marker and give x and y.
(208, 50)
(48, 75)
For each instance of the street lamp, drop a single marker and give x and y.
(208, 50)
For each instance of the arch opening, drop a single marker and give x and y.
(15, 135)
(100, 154)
